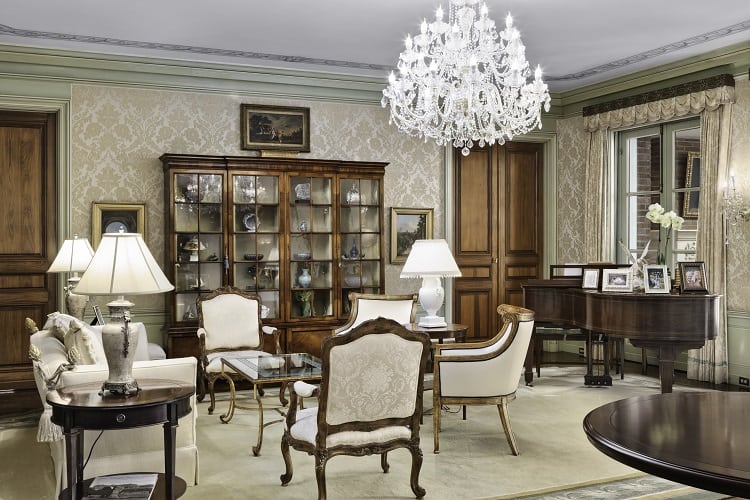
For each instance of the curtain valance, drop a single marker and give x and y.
(661, 105)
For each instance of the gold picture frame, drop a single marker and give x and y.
(407, 226)
(281, 128)
(111, 217)
(692, 180)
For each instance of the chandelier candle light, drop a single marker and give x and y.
(122, 265)
(459, 84)
(431, 260)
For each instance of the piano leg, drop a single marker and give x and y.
(597, 353)
(667, 355)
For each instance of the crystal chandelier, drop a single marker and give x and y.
(458, 84)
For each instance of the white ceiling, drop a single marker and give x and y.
(577, 42)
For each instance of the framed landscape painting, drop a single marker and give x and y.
(275, 128)
(407, 226)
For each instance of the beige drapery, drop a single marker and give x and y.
(709, 363)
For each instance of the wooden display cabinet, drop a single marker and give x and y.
(300, 233)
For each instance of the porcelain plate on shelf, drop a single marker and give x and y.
(253, 256)
(302, 256)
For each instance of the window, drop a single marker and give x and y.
(658, 164)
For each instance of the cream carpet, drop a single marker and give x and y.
(474, 462)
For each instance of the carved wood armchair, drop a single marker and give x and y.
(369, 400)
(365, 306)
(229, 325)
(483, 373)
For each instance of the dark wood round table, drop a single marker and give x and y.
(440, 333)
(700, 439)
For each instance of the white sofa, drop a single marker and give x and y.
(117, 451)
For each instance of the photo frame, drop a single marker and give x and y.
(407, 226)
(617, 280)
(281, 128)
(656, 279)
(590, 279)
(693, 277)
(111, 217)
(692, 180)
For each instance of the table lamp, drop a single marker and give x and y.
(73, 257)
(431, 260)
(122, 265)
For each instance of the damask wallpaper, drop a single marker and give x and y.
(572, 142)
(118, 134)
(738, 237)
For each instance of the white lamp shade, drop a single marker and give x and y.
(430, 258)
(74, 256)
(123, 265)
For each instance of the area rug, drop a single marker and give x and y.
(556, 460)
(635, 486)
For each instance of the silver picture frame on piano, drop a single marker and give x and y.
(617, 280)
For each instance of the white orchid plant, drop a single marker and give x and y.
(667, 220)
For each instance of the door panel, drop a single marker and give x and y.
(28, 245)
(475, 242)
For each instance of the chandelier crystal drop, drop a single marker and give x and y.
(459, 84)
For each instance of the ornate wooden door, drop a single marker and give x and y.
(28, 243)
(498, 230)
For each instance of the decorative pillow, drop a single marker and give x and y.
(59, 324)
(82, 345)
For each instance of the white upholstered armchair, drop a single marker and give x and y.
(365, 306)
(484, 372)
(229, 326)
(369, 400)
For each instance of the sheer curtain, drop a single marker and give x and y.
(712, 99)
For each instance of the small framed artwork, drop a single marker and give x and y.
(693, 277)
(116, 217)
(275, 128)
(616, 280)
(590, 279)
(407, 226)
(656, 279)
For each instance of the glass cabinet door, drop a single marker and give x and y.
(360, 237)
(311, 246)
(198, 239)
(255, 238)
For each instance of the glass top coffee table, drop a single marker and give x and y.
(262, 370)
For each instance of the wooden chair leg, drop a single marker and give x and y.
(320, 473)
(436, 405)
(286, 477)
(416, 466)
(502, 408)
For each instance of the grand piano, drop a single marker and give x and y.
(667, 323)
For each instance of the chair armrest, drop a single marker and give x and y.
(304, 389)
(298, 391)
(201, 331)
(272, 330)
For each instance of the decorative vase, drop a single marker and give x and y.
(304, 279)
(354, 251)
(352, 196)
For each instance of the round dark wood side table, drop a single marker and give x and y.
(440, 333)
(81, 407)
